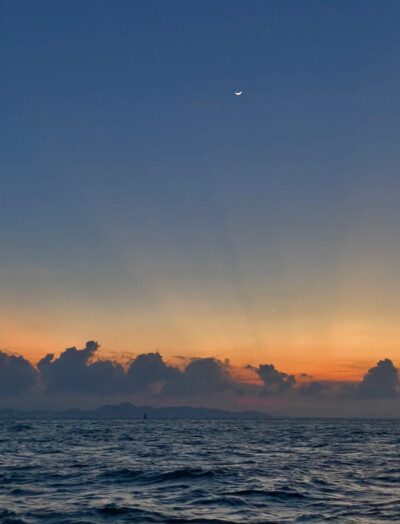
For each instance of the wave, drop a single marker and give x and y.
(122, 474)
(183, 473)
(278, 494)
(126, 474)
(64, 473)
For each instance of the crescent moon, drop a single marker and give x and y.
(238, 93)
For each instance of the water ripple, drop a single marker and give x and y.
(93, 471)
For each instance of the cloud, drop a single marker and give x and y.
(147, 369)
(74, 371)
(275, 382)
(80, 373)
(201, 376)
(313, 389)
(381, 381)
(16, 374)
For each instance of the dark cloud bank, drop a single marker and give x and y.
(79, 372)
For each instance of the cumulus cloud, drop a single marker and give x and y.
(381, 381)
(148, 369)
(75, 371)
(313, 389)
(275, 382)
(16, 374)
(82, 372)
(201, 375)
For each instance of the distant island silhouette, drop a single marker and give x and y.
(128, 410)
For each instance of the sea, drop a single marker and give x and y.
(199, 471)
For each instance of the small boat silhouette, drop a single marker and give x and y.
(144, 415)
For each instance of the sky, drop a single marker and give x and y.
(146, 206)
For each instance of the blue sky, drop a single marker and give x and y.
(143, 200)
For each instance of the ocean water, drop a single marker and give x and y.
(93, 471)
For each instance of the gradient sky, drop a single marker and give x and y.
(146, 206)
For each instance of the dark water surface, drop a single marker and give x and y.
(95, 471)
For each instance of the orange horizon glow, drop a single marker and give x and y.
(338, 346)
(333, 326)
(328, 369)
